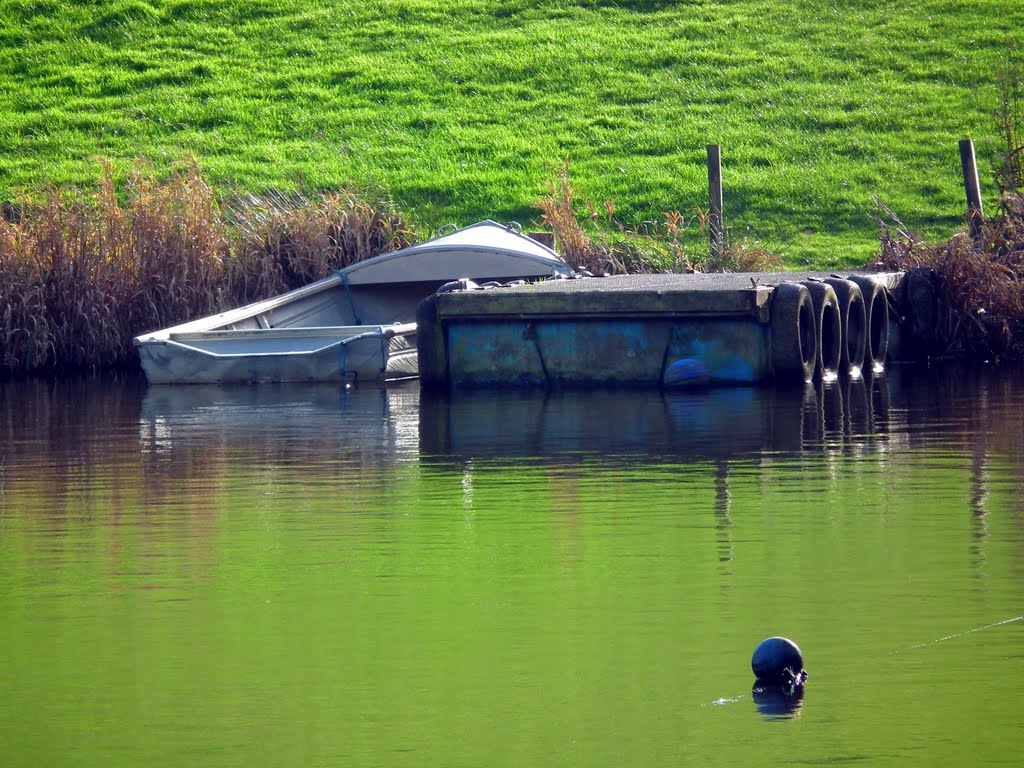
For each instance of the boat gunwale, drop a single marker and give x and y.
(376, 333)
(211, 323)
(296, 332)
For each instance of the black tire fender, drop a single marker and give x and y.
(793, 335)
(876, 306)
(855, 324)
(828, 322)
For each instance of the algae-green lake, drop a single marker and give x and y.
(377, 577)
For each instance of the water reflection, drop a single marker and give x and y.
(777, 702)
(72, 425)
(714, 424)
(283, 423)
(892, 423)
(723, 515)
(975, 409)
(382, 562)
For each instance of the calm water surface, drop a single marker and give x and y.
(303, 576)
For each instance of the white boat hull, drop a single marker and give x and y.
(341, 354)
(357, 325)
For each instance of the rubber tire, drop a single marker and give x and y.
(828, 321)
(792, 333)
(855, 325)
(876, 306)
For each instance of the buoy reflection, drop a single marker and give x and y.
(778, 702)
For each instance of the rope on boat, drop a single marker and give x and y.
(342, 360)
(348, 293)
(343, 369)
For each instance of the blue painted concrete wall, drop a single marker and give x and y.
(602, 351)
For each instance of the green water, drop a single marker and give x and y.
(306, 576)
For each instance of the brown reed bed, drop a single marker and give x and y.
(82, 274)
(979, 282)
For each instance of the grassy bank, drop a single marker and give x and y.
(464, 109)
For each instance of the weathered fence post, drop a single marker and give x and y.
(716, 227)
(972, 188)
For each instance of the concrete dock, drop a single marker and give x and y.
(662, 330)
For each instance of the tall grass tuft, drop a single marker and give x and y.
(283, 242)
(600, 244)
(1009, 119)
(167, 253)
(81, 274)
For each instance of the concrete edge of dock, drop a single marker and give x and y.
(628, 330)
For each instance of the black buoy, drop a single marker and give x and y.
(778, 661)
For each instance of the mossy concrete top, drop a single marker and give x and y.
(698, 295)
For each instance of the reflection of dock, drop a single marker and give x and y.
(710, 424)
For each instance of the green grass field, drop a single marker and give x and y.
(465, 109)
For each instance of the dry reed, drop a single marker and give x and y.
(980, 282)
(284, 242)
(587, 248)
(81, 274)
(600, 244)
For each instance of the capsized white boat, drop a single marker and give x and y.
(356, 325)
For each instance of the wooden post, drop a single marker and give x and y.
(716, 228)
(975, 215)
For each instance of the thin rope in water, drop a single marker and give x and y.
(961, 634)
(342, 360)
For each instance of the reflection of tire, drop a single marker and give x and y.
(786, 414)
(876, 307)
(880, 401)
(858, 407)
(794, 338)
(812, 418)
(829, 325)
(855, 324)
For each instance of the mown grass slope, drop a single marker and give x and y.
(463, 109)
